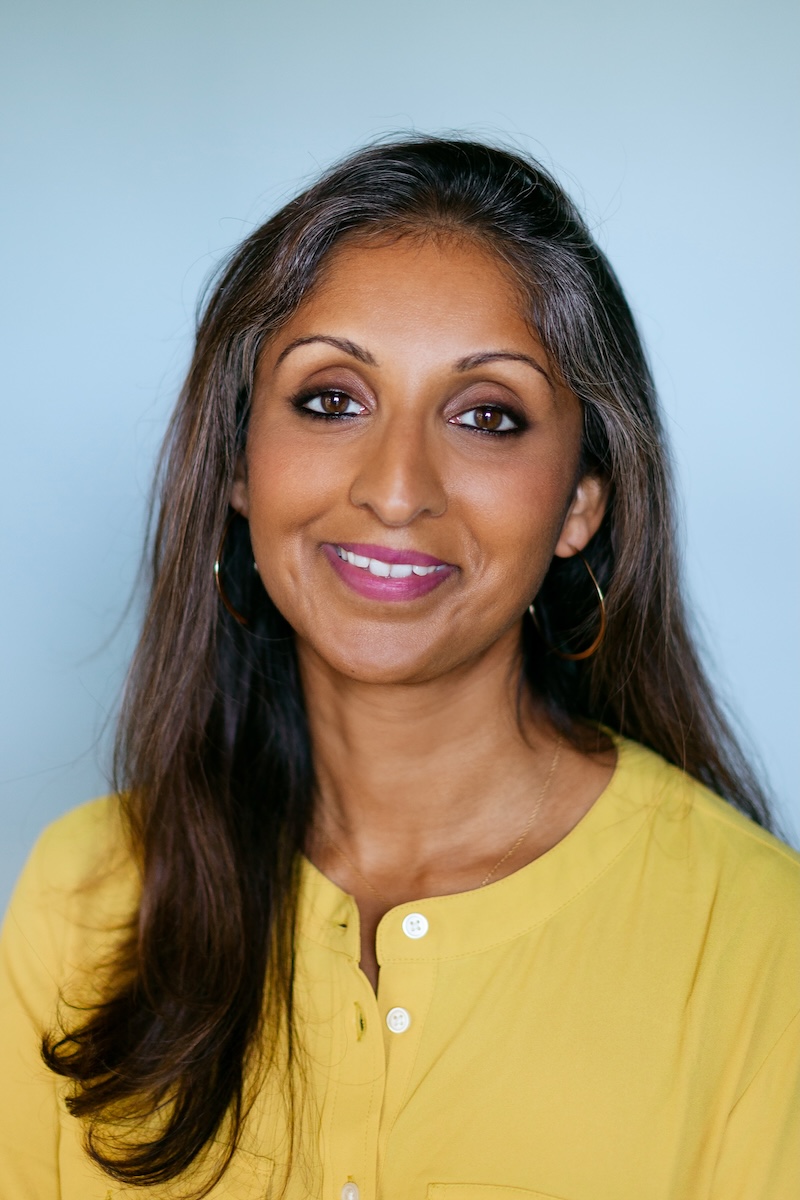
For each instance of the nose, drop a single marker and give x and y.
(399, 477)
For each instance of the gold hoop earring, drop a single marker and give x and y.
(601, 633)
(237, 616)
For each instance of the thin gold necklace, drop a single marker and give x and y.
(504, 858)
(534, 814)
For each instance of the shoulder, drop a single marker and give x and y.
(678, 796)
(719, 854)
(77, 892)
(80, 841)
(752, 851)
(82, 856)
(719, 897)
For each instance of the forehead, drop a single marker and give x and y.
(414, 288)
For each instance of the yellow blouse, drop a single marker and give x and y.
(616, 1021)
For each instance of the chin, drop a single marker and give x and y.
(383, 660)
(387, 675)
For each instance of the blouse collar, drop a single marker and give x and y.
(471, 922)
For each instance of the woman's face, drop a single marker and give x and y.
(411, 462)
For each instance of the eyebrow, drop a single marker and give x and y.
(343, 344)
(478, 360)
(358, 352)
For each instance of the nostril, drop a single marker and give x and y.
(397, 502)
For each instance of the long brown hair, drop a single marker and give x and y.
(213, 758)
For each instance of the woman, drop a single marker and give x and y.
(424, 876)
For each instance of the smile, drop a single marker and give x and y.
(383, 574)
(386, 570)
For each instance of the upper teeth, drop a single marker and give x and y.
(377, 566)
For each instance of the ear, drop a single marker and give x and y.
(239, 498)
(583, 516)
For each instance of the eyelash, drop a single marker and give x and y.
(518, 426)
(302, 401)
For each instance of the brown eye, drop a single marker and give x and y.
(489, 419)
(334, 403)
(329, 404)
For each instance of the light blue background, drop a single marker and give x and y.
(143, 140)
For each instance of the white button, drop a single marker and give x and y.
(398, 1020)
(415, 925)
(350, 1191)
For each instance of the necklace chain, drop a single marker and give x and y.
(504, 858)
(533, 815)
(354, 868)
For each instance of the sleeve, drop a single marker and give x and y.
(29, 970)
(760, 1155)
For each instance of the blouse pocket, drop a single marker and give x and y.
(485, 1191)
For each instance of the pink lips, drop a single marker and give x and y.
(375, 587)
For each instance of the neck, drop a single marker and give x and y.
(408, 773)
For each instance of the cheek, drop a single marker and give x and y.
(287, 484)
(276, 508)
(516, 512)
(290, 487)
